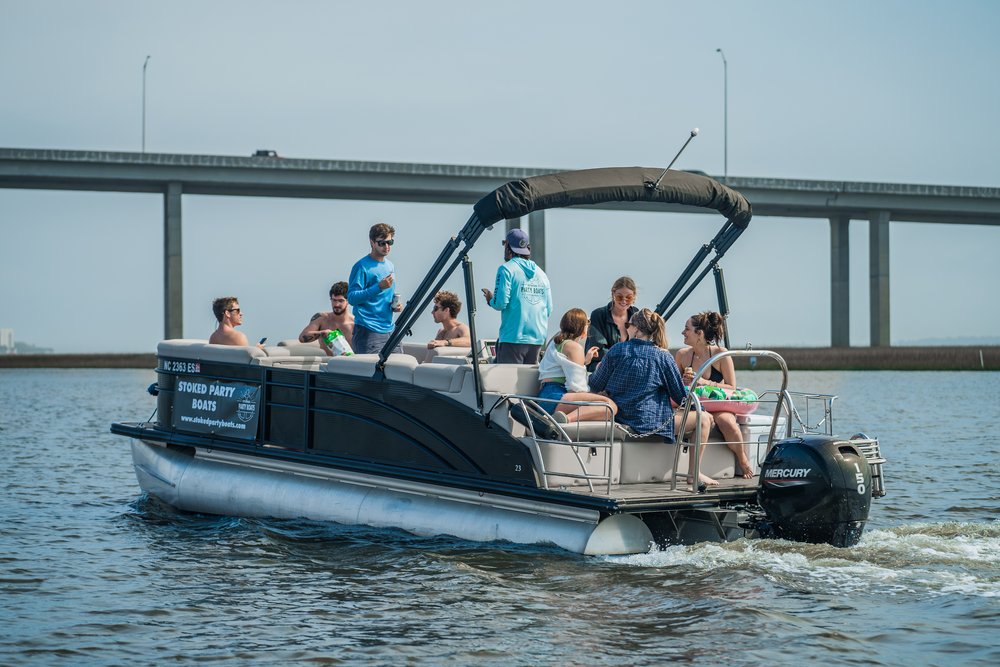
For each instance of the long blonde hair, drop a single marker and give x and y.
(652, 325)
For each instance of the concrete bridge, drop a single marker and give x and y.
(175, 175)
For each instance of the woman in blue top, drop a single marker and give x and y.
(641, 377)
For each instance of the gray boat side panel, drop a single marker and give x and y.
(226, 484)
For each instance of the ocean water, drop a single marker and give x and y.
(94, 573)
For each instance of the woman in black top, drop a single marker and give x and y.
(702, 333)
(608, 323)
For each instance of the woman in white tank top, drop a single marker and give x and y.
(563, 373)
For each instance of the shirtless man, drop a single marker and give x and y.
(452, 332)
(338, 318)
(227, 312)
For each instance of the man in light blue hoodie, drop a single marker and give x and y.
(524, 299)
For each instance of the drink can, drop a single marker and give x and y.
(395, 300)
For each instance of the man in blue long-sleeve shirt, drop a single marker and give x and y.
(370, 291)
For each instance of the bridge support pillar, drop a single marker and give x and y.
(173, 294)
(840, 281)
(878, 272)
(536, 233)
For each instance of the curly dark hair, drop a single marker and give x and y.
(338, 289)
(450, 301)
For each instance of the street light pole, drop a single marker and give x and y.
(725, 113)
(146, 62)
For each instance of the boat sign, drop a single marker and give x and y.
(216, 406)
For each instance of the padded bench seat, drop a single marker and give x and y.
(398, 367)
(202, 350)
(442, 377)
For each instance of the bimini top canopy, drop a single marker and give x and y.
(579, 188)
(597, 186)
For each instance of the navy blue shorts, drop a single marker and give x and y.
(553, 390)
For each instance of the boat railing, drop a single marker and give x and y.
(870, 448)
(700, 440)
(818, 410)
(543, 429)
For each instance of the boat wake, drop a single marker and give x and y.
(931, 559)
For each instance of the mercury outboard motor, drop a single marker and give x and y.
(815, 488)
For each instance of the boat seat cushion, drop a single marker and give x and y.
(202, 350)
(510, 379)
(295, 348)
(441, 377)
(595, 431)
(309, 363)
(424, 355)
(398, 367)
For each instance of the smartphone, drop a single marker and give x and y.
(262, 340)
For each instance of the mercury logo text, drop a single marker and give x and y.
(788, 473)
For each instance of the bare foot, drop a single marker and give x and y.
(747, 469)
(705, 480)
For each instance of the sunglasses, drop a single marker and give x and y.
(233, 310)
(385, 242)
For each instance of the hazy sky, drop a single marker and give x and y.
(901, 91)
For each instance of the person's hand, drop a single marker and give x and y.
(387, 282)
(398, 307)
(488, 294)
(592, 354)
(688, 376)
(434, 343)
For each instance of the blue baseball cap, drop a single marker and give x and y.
(517, 241)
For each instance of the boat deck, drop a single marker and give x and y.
(659, 494)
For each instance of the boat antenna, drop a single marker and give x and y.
(653, 186)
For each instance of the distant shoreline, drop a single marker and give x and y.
(924, 358)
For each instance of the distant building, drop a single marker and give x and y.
(8, 346)
(6, 341)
